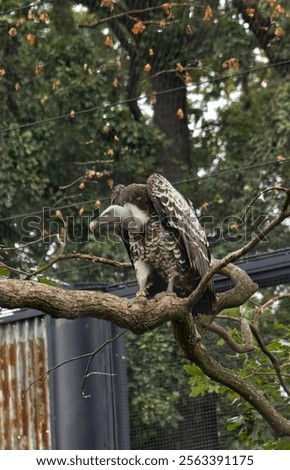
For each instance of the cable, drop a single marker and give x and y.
(47, 209)
(229, 172)
(131, 100)
(220, 174)
(25, 7)
(247, 258)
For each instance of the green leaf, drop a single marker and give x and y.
(4, 272)
(49, 282)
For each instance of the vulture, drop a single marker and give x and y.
(164, 240)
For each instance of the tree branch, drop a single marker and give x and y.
(239, 348)
(123, 14)
(266, 305)
(199, 355)
(243, 289)
(90, 355)
(235, 255)
(272, 358)
(137, 315)
(83, 256)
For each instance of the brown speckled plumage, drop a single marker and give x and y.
(171, 242)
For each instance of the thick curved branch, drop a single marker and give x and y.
(216, 372)
(243, 288)
(138, 316)
(227, 337)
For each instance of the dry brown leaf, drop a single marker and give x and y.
(147, 68)
(56, 84)
(109, 42)
(250, 11)
(179, 67)
(180, 113)
(44, 17)
(279, 32)
(110, 183)
(30, 39)
(107, 4)
(204, 206)
(19, 22)
(278, 10)
(138, 28)
(208, 14)
(12, 32)
(38, 68)
(232, 63)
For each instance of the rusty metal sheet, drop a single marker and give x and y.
(24, 414)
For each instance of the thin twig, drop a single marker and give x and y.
(274, 188)
(92, 162)
(91, 355)
(239, 348)
(86, 257)
(235, 255)
(13, 270)
(22, 247)
(81, 178)
(267, 304)
(127, 13)
(45, 375)
(87, 374)
(272, 358)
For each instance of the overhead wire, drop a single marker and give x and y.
(137, 98)
(24, 7)
(219, 174)
(189, 87)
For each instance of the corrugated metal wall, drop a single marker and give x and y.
(24, 417)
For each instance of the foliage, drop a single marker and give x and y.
(154, 387)
(191, 91)
(257, 368)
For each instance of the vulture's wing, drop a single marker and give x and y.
(177, 214)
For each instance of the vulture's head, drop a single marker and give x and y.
(118, 216)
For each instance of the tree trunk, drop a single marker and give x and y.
(175, 155)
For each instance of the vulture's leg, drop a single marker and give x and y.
(170, 286)
(143, 270)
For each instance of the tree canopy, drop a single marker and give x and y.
(101, 92)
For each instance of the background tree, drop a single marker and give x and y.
(103, 92)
